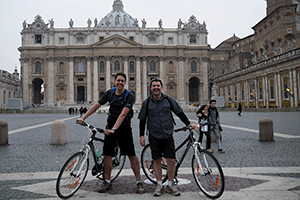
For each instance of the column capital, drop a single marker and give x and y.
(125, 58)
(95, 58)
(108, 58)
(138, 58)
(145, 58)
(88, 58)
(162, 58)
(70, 59)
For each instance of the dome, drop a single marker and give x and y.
(117, 18)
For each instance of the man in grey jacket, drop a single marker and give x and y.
(156, 110)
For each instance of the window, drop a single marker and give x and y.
(80, 67)
(152, 39)
(38, 39)
(131, 67)
(80, 40)
(171, 67)
(38, 68)
(101, 67)
(102, 79)
(170, 40)
(117, 66)
(152, 66)
(193, 39)
(61, 67)
(101, 38)
(243, 94)
(61, 40)
(80, 79)
(131, 38)
(193, 66)
(131, 78)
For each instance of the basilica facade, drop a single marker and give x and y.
(78, 64)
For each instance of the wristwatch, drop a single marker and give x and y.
(113, 129)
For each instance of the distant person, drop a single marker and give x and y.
(70, 111)
(240, 109)
(84, 110)
(81, 111)
(214, 123)
(202, 114)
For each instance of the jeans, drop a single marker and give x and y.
(217, 134)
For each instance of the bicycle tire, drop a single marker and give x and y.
(68, 183)
(211, 182)
(118, 162)
(147, 165)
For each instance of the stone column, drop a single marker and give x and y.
(276, 89)
(126, 71)
(138, 93)
(246, 89)
(50, 96)
(295, 87)
(96, 92)
(89, 80)
(291, 87)
(267, 91)
(238, 92)
(25, 81)
(279, 90)
(264, 90)
(181, 82)
(161, 69)
(205, 80)
(256, 92)
(108, 86)
(70, 94)
(144, 78)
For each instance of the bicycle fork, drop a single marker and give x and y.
(200, 170)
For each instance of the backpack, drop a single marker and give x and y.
(147, 105)
(113, 99)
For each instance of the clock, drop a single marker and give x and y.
(38, 25)
(193, 25)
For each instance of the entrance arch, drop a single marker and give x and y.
(38, 95)
(194, 90)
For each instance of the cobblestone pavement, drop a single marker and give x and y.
(247, 162)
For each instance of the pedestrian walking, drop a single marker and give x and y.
(214, 123)
(156, 110)
(240, 109)
(202, 114)
(118, 130)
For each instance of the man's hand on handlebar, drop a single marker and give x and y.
(80, 120)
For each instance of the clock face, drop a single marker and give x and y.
(193, 25)
(38, 25)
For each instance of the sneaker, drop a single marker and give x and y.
(139, 188)
(209, 150)
(159, 191)
(104, 187)
(221, 150)
(173, 190)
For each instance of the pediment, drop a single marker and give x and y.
(116, 41)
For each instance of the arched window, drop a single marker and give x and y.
(117, 66)
(193, 66)
(152, 66)
(38, 68)
(102, 67)
(61, 67)
(131, 67)
(80, 67)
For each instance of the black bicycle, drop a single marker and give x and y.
(74, 171)
(206, 169)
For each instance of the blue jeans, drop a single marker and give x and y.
(217, 134)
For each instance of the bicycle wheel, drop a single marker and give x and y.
(147, 164)
(72, 175)
(208, 174)
(118, 162)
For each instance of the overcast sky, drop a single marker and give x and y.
(222, 17)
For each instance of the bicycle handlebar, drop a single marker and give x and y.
(90, 127)
(183, 129)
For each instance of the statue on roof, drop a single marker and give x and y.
(51, 23)
(89, 22)
(95, 22)
(24, 24)
(71, 23)
(160, 23)
(144, 23)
